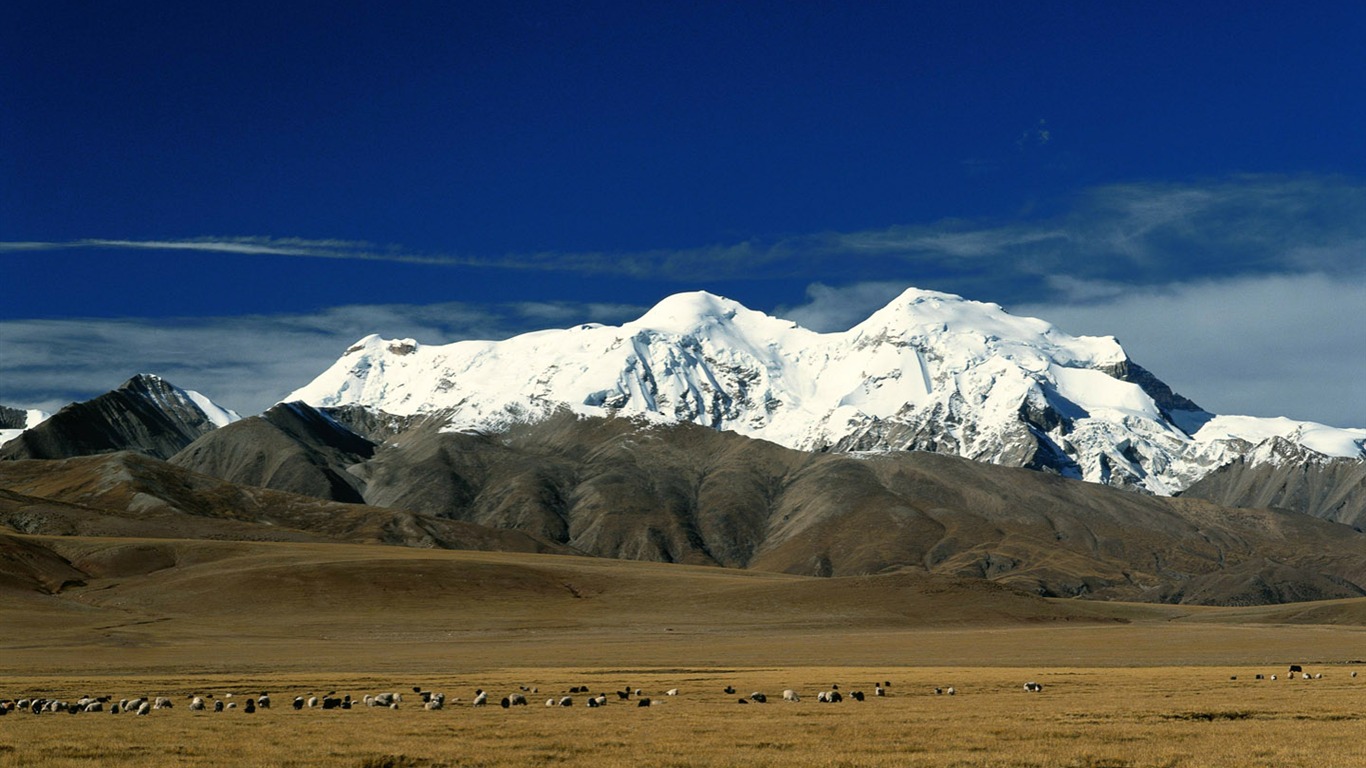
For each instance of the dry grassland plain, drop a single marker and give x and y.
(1124, 685)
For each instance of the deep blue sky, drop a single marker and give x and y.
(467, 165)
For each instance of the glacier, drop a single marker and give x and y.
(929, 371)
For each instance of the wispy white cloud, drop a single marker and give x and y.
(1238, 291)
(1136, 233)
(1276, 345)
(245, 363)
(1266, 345)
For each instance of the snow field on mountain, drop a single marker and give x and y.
(929, 369)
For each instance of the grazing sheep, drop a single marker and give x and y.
(1261, 677)
(263, 701)
(938, 691)
(144, 709)
(742, 701)
(517, 700)
(1306, 675)
(645, 702)
(436, 702)
(1354, 674)
(879, 691)
(858, 695)
(730, 689)
(599, 701)
(298, 702)
(94, 706)
(197, 704)
(1033, 687)
(791, 695)
(1273, 677)
(671, 692)
(623, 695)
(250, 707)
(162, 703)
(505, 703)
(835, 697)
(218, 706)
(758, 698)
(822, 696)
(480, 698)
(567, 701)
(333, 702)
(950, 691)
(550, 702)
(1295, 668)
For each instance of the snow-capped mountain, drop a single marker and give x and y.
(146, 414)
(930, 371)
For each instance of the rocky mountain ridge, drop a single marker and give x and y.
(146, 413)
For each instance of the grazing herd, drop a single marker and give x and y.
(429, 700)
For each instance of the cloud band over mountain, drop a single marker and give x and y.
(1243, 293)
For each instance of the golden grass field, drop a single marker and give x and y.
(1125, 685)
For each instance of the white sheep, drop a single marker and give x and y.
(791, 695)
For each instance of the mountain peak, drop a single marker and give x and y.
(146, 414)
(929, 371)
(685, 312)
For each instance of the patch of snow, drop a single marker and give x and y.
(32, 418)
(217, 414)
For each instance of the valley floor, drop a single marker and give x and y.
(1124, 684)
(1120, 716)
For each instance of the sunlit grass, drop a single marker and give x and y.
(1121, 717)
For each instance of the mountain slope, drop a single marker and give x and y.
(130, 495)
(1288, 476)
(146, 414)
(628, 489)
(291, 447)
(930, 371)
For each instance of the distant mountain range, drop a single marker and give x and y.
(639, 442)
(929, 372)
